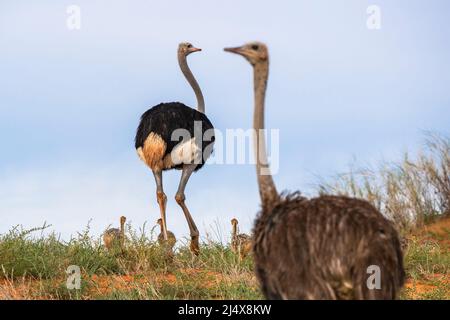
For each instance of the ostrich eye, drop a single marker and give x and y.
(189, 46)
(255, 47)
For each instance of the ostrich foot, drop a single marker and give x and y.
(194, 246)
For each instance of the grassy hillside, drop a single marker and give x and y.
(34, 266)
(427, 261)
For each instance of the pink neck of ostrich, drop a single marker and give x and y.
(267, 189)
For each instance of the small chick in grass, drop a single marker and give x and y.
(171, 240)
(240, 243)
(113, 235)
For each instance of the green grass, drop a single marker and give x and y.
(22, 253)
(426, 257)
(29, 256)
(43, 259)
(216, 274)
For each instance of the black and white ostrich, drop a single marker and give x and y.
(158, 143)
(320, 248)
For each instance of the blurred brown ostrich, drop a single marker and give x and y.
(241, 243)
(319, 248)
(114, 235)
(171, 240)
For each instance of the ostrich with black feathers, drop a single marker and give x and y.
(172, 136)
(319, 248)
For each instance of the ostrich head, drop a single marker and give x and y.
(254, 52)
(123, 219)
(234, 222)
(186, 48)
(159, 221)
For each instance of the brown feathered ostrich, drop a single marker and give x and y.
(320, 248)
(113, 236)
(241, 243)
(171, 240)
(157, 143)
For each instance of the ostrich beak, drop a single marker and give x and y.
(195, 49)
(237, 50)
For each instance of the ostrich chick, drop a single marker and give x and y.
(240, 243)
(171, 240)
(114, 235)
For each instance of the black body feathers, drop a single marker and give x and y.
(164, 118)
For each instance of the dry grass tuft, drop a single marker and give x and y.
(411, 193)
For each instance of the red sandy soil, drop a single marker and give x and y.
(107, 284)
(421, 287)
(440, 231)
(27, 288)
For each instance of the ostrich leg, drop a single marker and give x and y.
(162, 200)
(180, 197)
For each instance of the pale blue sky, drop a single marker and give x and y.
(70, 101)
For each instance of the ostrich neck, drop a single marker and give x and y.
(194, 84)
(234, 231)
(267, 189)
(122, 228)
